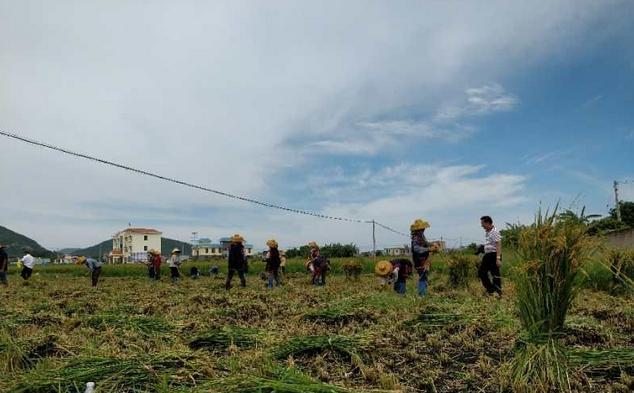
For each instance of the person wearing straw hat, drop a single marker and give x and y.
(282, 265)
(383, 270)
(93, 265)
(4, 265)
(420, 254)
(273, 262)
(317, 265)
(174, 262)
(236, 261)
(27, 264)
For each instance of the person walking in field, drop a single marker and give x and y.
(273, 262)
(174, 262)
(492, 259)
(4, 265)
(236, 261)
(94, 266)
(420, 254)
(317, 265)
(27, 265)
(282, 265)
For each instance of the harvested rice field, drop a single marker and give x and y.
(131, 334)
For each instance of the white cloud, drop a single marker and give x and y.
(222, 94)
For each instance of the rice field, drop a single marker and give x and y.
(131, 334)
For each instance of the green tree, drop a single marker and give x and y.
(627, 213)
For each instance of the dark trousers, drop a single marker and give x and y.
(232, 272)
(95, 276)
(319, 276)
(489, 265)
(174, 273)
(3, 278)
(150, 272)
(26, 272)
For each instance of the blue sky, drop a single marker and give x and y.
(372, 110)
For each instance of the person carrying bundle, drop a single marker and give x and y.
(383, 270)
(420, 254)
(273, 262)
(93, 265)
(236, 261)
(317, 265)
(174, 263)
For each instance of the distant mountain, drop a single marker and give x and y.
(167, 245)
(67, 251)
(15, 244)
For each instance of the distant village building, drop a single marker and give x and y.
(623, 238)
(205, 248)
(397, 251)
(405, 249)
(132, 244)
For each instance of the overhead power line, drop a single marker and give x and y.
(195, 186)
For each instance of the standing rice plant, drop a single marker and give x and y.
(462, 268)
(621, 263)
(552, 254)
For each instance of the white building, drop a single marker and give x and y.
(132, 244)
(205, 248)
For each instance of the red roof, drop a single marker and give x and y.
(147, 231)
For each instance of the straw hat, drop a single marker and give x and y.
(418, 225)
(383, 268)
(176, 251)
(80, 260)
(153, 252)
(313, 244)
(237, 239)
(272, 243)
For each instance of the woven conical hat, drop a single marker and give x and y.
(383, 268)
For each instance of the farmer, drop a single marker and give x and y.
(317, 265)
(492, 259)
(383, 270)
(27, 264)
(273, 262)
(154, 259)
(420, 254)
(236, 261)
(401, 269)
(4, 265)
(174, 262)
(93, 265)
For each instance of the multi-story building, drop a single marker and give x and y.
(132, 244)
(205, 248)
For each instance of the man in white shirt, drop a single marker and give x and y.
(492, 259)
(27, 265)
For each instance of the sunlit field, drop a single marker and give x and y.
(133, 334)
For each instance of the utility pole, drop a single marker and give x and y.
(616, 201)
(373, 241)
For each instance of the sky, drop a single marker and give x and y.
(376, 110)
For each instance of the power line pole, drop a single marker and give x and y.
(373, 241)
(616, 200)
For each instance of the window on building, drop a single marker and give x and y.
(144, 248)
(206, 251)
(145, 237)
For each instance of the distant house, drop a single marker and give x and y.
(623, 238)
(405, 249)
(132, 244)
(205, 248)
(397, 251)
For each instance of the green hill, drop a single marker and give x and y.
(167, 245)
(15, 244)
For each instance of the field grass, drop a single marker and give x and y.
(131, 334)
